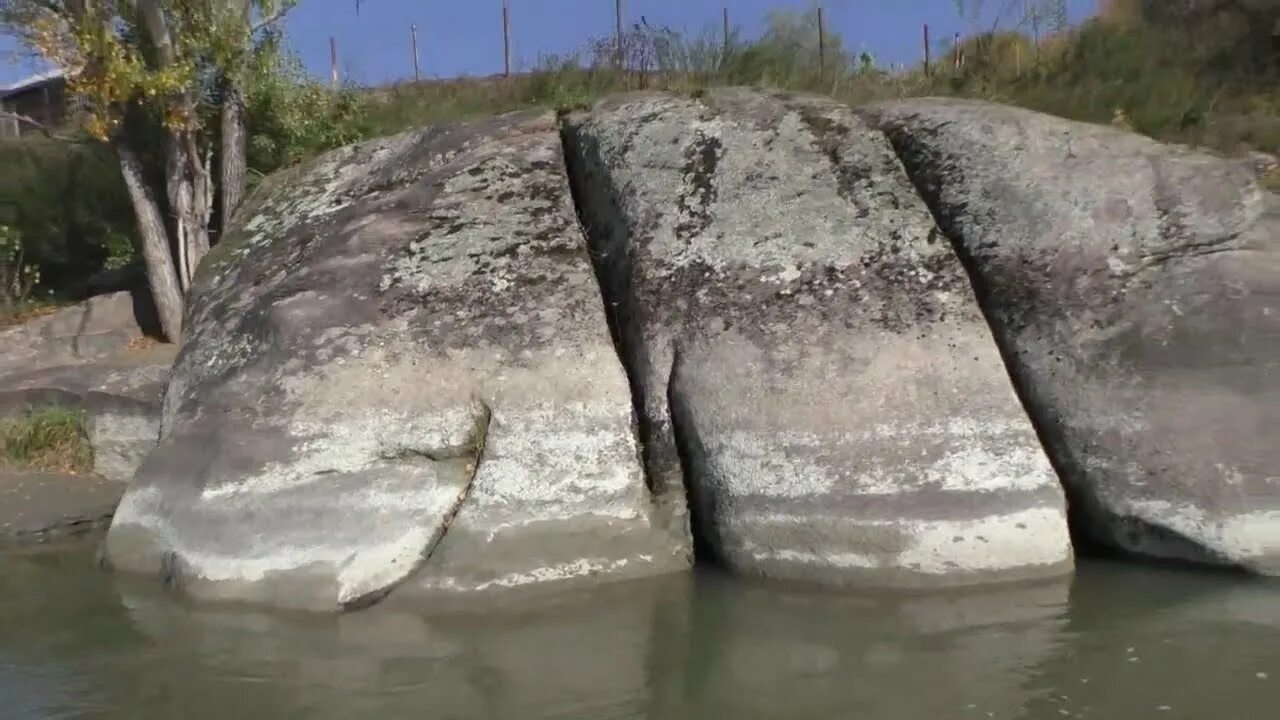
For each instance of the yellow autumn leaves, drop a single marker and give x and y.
(106, 69)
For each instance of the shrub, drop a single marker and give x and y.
(17, 277)
(69, 204)
(291, 116)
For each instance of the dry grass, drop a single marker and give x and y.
(142, 344)
(9, 317)
(1271, 179)
(1223, 96)
(48, 440)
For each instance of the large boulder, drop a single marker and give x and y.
(397, 376)
(1135, 289)
(807, 349)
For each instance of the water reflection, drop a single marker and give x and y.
(762, 653)
(73, 644)
(1141, 643)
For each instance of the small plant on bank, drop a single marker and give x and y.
(1271, 179)
(48, 439)
(17, 277)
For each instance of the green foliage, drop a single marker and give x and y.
(560, 82)
(17, 277)
(787, 54)
(67, 201)
(1187, 71)
(49, 439)
(121, 249)
(291, 116)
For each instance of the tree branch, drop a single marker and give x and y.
(271, 19)
(44, 129)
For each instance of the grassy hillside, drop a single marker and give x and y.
(1199, 71)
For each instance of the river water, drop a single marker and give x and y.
(1120, 642)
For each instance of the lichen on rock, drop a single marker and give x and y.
(320, 448)
(806, 348)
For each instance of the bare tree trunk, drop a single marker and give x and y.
(187, 180)
(233, 151)
(190, 194)
(165, 289)
(232, 160)
(202, 199)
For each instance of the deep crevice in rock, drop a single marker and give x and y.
(703, 510)
(1093, 528)
(927, 183)
(607, 235)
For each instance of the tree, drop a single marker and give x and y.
(1040, 16)
(161, 82)
(788, 51)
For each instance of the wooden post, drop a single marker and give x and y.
(417, 75)
(333, 61)
(726, 32)
(928, 52)
(618, 13)
(822, 45)
(506, 39)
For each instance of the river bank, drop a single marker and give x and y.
(38, 507)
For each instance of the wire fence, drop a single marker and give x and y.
(636, 46)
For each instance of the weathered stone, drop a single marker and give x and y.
(83, 357)
(1133, 287)
(119, 395)
(807, 349)
(397, 332)
(38, 507)
(99, 327)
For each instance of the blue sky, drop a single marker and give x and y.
(457, 37)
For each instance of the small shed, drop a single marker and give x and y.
(41, 97)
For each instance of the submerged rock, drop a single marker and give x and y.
(806, 349)
(1135, 288)
(397, 375)
(44, 507)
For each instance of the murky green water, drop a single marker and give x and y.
(1121, 642)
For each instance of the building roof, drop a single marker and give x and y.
(30, 82)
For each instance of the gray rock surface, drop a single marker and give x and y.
(808, 350)
(1135, 289)
(99, 327)
(38, 507)
(91, 357)
(397, 378)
